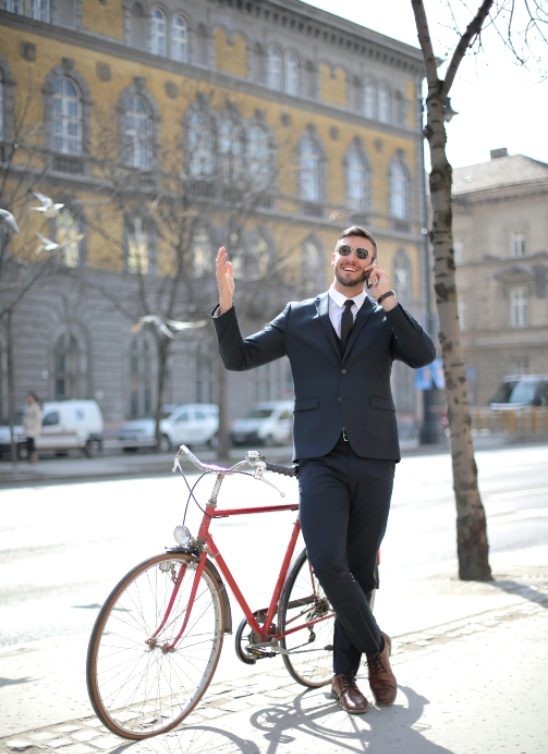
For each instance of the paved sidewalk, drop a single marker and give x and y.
(474, 684)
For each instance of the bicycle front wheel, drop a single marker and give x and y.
(307, 621)
(141, 680)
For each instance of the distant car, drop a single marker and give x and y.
(66, 425)
(188, 423)
(19, 437)
(268, 423)
(519, 391)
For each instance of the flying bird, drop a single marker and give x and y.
(47, 244)
(166, 327)
(7, 218)
(48, 206)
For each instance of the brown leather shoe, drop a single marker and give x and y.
(351, 699)
(381, 678)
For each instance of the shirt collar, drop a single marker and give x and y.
(339, 298)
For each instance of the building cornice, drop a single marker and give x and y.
(113, 48)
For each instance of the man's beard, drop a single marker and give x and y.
(350, 283)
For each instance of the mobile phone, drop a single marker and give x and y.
(367, 274)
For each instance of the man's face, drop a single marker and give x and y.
(351, 271)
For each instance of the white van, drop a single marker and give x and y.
(71, 425)
(268, 423)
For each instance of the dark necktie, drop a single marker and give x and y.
(347, 322)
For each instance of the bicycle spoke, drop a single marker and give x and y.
(139, 683)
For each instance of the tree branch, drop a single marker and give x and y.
(472, 31)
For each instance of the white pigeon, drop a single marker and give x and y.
(47, 244)
(48, 206)
(9, 219)
(167, 326)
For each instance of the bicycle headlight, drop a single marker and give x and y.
(182, 535)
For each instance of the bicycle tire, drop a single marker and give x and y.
(307, 653)
(137, 689)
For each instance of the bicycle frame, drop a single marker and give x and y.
(205, 547)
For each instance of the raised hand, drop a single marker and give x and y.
(225, 280)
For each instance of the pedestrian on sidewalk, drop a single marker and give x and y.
(32, 423)
(340, 346)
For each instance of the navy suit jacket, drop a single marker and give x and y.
(333, 391)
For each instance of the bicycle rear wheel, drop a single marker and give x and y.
(140, 685)
(308, 652)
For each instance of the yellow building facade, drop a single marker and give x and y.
(166, 129)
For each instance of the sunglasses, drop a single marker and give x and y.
(346, 250)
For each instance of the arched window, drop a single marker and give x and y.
(202, 253)
(179, 39)
(69, 234)
(400, 200)
(2, 95)
(67, 121)
(274, 71)
(137, 132)
(231, 149)
(384, 103)
(400, 112)
(200, 144)
(140, 377)
(357, 180)
(137, 24)
(70, 377)
(158, 32)
(139, 247)
(15, 6)
(369, 99)
(202, 46)
(310, 171)
(292, 74)
(402, 277)
(40, 10)
(312, 263)
(259, 158)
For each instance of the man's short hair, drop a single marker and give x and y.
(357, 230)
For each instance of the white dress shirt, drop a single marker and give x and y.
(336, 307)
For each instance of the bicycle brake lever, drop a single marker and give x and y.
(259, 474)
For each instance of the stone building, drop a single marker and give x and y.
(165, 129)
(501, 251)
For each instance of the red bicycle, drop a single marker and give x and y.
(157, 639)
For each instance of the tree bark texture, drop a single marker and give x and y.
(472, 541)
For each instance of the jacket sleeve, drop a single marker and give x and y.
(411, 344)
(238, 353)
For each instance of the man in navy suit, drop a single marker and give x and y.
(345, 435)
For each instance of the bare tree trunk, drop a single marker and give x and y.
(11, 385)
(472, 542)
(163, 355)
(223, 448)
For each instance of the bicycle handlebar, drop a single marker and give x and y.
(278, 469)
(253, 459)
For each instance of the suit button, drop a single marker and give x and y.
(344, 371)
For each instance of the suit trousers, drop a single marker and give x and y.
(344, 506)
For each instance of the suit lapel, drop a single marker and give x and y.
(322, 308)
(361, 318)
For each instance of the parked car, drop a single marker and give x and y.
(66, 425)
(268, 423)
(19, 437)
(519, 391)
(188, 423)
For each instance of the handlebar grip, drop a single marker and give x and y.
(279, 469)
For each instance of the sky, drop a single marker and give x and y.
(499, 103)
